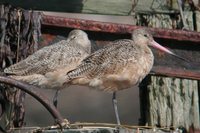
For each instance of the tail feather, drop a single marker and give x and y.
(17, 69)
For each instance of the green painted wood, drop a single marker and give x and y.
(115, 7)
(49, 5)
(110, 7)
(172, 102)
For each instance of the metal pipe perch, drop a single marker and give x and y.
(32, 90)
(175, 72)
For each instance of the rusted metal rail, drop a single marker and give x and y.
(175, 72)
(118, 28)
(32, 90)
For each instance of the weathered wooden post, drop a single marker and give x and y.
(170, 102)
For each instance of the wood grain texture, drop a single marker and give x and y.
(115, 7)
(172, 102)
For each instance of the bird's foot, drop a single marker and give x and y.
(61, 124)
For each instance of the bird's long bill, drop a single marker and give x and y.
(158, 46)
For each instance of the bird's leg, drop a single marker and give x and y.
(114, 100)
(55, 98)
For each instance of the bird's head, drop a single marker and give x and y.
(80, 38)
(144, 37)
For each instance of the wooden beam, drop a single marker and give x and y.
(115, 7)
(175, 72)
(118, 28)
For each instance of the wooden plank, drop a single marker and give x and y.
(118, 28)
(197, 22)
(175, 72)
(49, 5)
(171, 102)
(115, 7)
(159, 6)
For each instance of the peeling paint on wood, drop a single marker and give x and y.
(172, 102)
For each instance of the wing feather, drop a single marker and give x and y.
(107, 60)
(46, 59)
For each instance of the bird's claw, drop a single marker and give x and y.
(64, 124)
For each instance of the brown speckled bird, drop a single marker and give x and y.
(47, 67)
(120, 65)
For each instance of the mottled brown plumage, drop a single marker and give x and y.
(118, 66)
(46, 66)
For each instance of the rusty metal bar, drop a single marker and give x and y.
(175, 72)
(32, 90)
(118, 28)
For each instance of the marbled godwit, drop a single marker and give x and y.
(120, 65)
(47, 67)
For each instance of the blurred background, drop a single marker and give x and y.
(81, 104)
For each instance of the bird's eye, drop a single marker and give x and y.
(145, 35)
(73, 37)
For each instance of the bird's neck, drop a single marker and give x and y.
(148, 58)
(86, 45)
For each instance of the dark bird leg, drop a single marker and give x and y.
(114, 100)
(55, 98)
